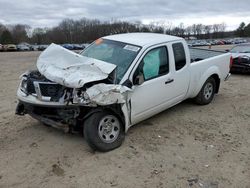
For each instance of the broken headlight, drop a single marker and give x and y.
(24, 84)
(80, 96)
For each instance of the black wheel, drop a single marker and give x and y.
(103, 131)
(207, 92)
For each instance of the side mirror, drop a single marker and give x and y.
(139, 79)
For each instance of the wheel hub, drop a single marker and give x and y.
(109, 129)
(208, 91)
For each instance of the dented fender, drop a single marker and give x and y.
(106, 94)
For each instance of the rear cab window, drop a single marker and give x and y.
(179, 55)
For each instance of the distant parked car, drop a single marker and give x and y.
(42, 47)
(78, 47)
(68, 46)
(85, 45)
(228, 41)
(34, 47)
(1, 47)
(11, 47)
(22, 47)
(199, 43)
(241, 58)
(239, 41)
(220, 42)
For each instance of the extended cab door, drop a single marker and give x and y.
(181, 61)
(156, 84)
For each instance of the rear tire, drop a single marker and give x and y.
(103, 131)
(207, 92)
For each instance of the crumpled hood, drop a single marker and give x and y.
(71, 69)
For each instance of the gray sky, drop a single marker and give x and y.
(47, 13)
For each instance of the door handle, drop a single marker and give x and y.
(169, 81)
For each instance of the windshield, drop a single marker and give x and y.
(241, 49)
(117, 53)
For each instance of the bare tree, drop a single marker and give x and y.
(2, 28)
(188, 31)
(87, 30)
(19, 33)
(208, 30)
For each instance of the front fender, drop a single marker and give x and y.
(124, 113)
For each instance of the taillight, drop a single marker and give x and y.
(231, 62)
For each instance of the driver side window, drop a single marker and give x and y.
(154, 64)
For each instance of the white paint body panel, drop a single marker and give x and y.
(202, 70)
(154, 96)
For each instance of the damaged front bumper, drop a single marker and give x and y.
(48, 102)
(33, 99)
(37, 89)
(61, 117)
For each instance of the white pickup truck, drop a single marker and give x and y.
(116, 82)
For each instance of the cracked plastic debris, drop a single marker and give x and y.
(106, 94)
(71, 69)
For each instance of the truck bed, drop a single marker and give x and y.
(203, 63)
(198, 54)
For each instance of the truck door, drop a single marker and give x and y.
(153, 84)
(181, 62)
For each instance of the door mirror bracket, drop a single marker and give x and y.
(139, 79)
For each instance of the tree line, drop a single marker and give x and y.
(86, 30)
(243, 30)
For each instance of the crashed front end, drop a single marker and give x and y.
(66, 87)
(49, 102)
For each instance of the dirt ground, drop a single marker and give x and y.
(185, 146)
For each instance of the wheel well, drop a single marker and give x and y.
(115, 109)
(217, 81)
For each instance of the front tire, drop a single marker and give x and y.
(103, 131)
(207, 92)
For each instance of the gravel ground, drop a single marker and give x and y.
(185, 146)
